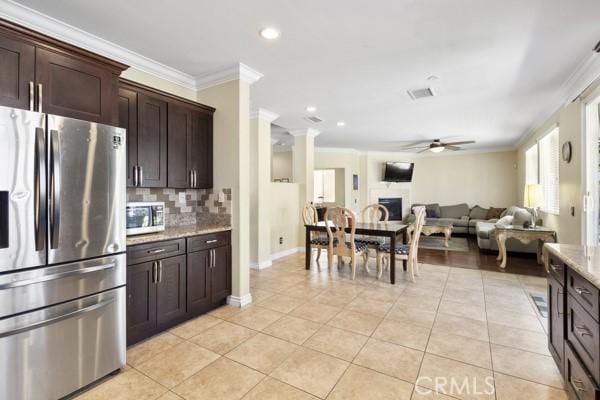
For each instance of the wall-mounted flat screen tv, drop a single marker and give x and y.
(398, 172)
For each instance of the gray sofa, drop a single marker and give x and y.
(474, 221)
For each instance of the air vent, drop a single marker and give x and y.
(314, 119)
(421, 93)
(597, 48)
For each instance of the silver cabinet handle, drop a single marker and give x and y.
(210, 241)
(31, 95)
(214, 258)
(154, 271)
(191, 177)
(141, 175)
(134, 177)
(556, 268)
(583, 331)
(582, 291)
(210, 264)
(39, 189)
(195, 179)
(54, 190)
(159, 271)
(40, 97)
(578, 385)
(156, 251)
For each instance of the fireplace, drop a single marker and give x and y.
(394, 206)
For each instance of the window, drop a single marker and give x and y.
(548, 171)
(531, 165)
(324, 186)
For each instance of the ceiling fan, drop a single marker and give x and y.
(436, 146)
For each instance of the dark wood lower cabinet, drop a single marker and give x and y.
(163, 292)
(556, 320)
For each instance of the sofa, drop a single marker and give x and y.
(474, 221)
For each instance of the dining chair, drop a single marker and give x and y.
(408, 252)
(341, 243)
(318, 240)
(374, 213)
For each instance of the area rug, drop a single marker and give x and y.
(437, 243)
(541, 303)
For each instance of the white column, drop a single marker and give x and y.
(304, 162)
(260, 188)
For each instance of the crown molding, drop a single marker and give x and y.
(238, 71)
(305, 132)
(264, 114)
(337, 150)
(35, 20)
(584, 75)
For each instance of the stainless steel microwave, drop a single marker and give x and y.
(145, 217)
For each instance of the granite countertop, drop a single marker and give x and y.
(176, 232)
(584, 260)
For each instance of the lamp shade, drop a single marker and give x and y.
(533, 195)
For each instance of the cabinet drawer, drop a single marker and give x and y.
(557, 269)
(583, 334)
(584, 292)
(208, 241)
(579, 384)
(155, 251)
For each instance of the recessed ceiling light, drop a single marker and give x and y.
(269, 33)
(433, 78)
(311, 109)
(341, 123)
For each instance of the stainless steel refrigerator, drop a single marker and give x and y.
(62, 253)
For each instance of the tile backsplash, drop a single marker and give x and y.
(188, 206)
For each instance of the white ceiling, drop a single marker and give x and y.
(499, 62)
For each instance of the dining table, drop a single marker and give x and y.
(390, 229)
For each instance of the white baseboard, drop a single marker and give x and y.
(236, 301)
(287, 252)
(261, 265)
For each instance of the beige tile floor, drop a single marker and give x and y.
(315, 334)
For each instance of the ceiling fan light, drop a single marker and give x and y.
(436, 149)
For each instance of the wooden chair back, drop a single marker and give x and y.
(375, 213)
(309, 214)
(338, 220)
(419, 222)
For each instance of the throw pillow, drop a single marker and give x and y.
(505, 221)
(520, 216)
(434, 209)
(429, 213)
(478, 213)
(494, 213)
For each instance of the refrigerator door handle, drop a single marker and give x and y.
(53, 277)
(31, 95)
(54, 320)
(195, 179)
(141, 176)
(39, 189)
(54, 190)
(39, 97)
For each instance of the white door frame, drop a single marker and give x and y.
(589, 163)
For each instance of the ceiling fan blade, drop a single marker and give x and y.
(414, 147)
(453, 148)
(458, 143)
(424, 150)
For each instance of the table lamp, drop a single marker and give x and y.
(533, 199)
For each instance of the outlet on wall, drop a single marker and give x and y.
(182, 197)
(280, 239)
(221, 197)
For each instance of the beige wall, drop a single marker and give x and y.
(285, 216)
(281, 165)
(569, 120)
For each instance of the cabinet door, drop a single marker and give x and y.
(152, 140)
(128, 120)
(221, 274)
(180, 129)
(201, 149)
(556, 321)
(170, 287)
(141, 302)
(76, 89)
(198, 282)
(17, 72)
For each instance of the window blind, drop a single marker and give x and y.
(549, 171)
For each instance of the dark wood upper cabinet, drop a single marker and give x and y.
(200, 148)
(152, 141)
(221, 274)
(141, 301)
(171, 290)
(179, 132)
(74, 88)
(43, 74)
(17, 74)
(128, 121)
